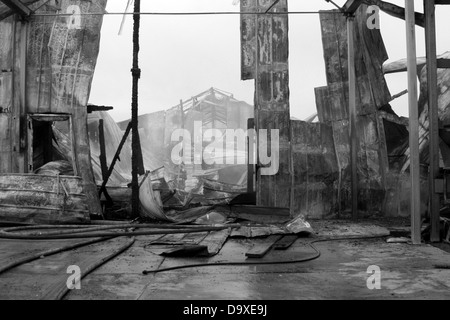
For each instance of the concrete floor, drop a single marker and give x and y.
(407, 272)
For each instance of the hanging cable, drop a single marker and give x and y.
(226, 13)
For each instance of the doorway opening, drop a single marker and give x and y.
(45, 152)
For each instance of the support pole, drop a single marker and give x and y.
(433, 114)
(352, 114)
(136, 72)
(413, 123)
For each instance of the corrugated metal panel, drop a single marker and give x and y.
(61, 59)
(272, 101)
(372, 90)
(372, 94)
(248, 39)
(59, 63)
(316, 170)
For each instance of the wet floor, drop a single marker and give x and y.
(341, 272)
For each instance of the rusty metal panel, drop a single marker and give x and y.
(272, 101)
(55, 58)
(248, 39)
(37, 199)
(6, 150)
(329, 109)
(371, 166)
(316, 170)
(372, 94)
(6, 90)
(61, 57)
(6, 48)
(372, 91)
(5, 143)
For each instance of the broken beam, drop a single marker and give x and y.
(351, 6)
(397, 11)
(285, 243)
(443, 63)
(18, 7)
(92, 108)
(394, 119)
(261, 249)
(433, 112)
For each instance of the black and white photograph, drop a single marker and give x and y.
(226, 158)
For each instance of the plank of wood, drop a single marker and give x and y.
(433, 115)
(18, 109)
(186, 251)
(215, 241)
(5, 145)
(262, 214)
(398, 12)
(261, 249)
(285, 243)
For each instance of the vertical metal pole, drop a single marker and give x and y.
(352, 114)
(430, 37)
(413, 122)
(136, 72)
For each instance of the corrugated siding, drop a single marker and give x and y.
(316, 170)
(372, 94)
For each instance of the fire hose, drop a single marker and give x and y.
(83, 232)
